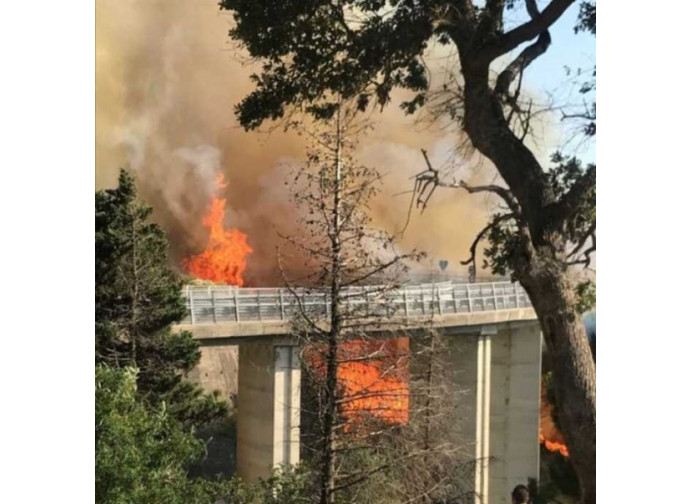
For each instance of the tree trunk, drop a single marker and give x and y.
(538, 270)
(328, 457)
(574, 372)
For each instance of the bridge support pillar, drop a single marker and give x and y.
(268, 412)
(499, 371)
(515, 401)
(471, 363)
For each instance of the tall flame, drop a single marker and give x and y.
(225, 257)
(549, 435)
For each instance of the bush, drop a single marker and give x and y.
(141, 453)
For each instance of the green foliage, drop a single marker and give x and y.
(566, 178)
(587, 18)
(314, 52)
(141, 453)
(310, 54)
(586, 296)
(138, 297)
(136, 292)
(504, 247)
(574, 189)
(287, 485)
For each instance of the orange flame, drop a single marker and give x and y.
(377, 387)
(549, 435)
(554, 446)
(225, 257)
(373, 377)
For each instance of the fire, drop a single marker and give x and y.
(549, 435)
(373, 379)
(554, 446)
(377, 387)
(225, 257)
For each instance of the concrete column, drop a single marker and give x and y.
(515, 393)
(268, 409)
(498, 371)
(471, 360)
(483, 413)
(217, 370)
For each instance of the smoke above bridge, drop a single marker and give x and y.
(167, 80)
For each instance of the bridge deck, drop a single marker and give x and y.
(268, 310)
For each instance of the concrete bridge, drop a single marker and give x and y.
(495, 343)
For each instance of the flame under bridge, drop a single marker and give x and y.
(495, 344)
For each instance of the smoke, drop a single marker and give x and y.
(167, 79)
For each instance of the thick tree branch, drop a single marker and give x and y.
(586, 260)
(526, 57)
(527, 31)
(492, 17)
(532, 9)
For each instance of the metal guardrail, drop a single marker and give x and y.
(227, 304)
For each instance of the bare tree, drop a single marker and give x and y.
(374, 404)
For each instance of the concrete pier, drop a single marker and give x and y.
(217, 370)
(498, 368)
(514, 414)
(268, 410)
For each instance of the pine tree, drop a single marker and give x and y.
(138, 297)
(141, 453)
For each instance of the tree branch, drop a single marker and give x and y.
(430, 178)
(590, 232)
(527, 31)
(492, 17)
(587, 260)
(575, 197)
(526, 57)
(473, 248)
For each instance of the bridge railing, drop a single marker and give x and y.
(228, 304)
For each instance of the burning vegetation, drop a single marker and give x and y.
(549, 435)
(224, 259)
(373, 378)
(378, 385)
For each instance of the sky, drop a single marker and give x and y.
(547, 73)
